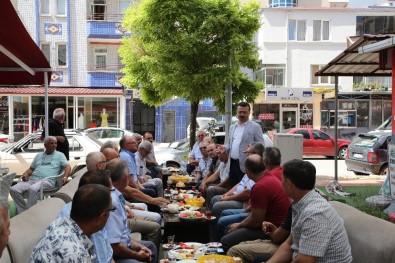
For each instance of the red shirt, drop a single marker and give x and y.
(277, 172)
(268, 193)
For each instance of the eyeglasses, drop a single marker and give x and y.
(202, 148)
(112, 209)
(132, 142)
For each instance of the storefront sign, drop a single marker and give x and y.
(289, 94)
(266, 116)
(391, 166)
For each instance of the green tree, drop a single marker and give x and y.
(183, 47)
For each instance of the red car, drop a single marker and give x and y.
(316, 142)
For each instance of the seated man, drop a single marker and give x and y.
(204, 163)
(45, 164)
(144, 148)
(102, 247)
(212, 177)
(258, 250)
(268, 202)
(195, 155)
(317, 233)
(124, 248)
(67, 238)
(152, 164)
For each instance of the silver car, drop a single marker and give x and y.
(104, 134)
(18, 156)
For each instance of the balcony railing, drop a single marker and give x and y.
(104, 17)
(105, 68)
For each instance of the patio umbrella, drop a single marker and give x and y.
(21, 60)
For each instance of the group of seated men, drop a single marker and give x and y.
(273, 214)
(256, 219)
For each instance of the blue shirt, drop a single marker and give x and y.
(103, 249)
(117, 227)
(131, 161)
(46, 165)
(195, 152)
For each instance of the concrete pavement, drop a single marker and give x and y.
(326, 173)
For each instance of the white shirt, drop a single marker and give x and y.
(224, 170)
(236, 140)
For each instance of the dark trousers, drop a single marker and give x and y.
(235, 174)
(262, 258)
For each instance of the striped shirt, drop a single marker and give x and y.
(318, 231)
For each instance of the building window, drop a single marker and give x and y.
(320, 30)
(62, 55)
(320, 80)
(61, 7)
(98, 9)
(283, 3)
(46, 49)
(297, 30)
(44, 7)
(346, 115)
(375, 25)
(101, 58)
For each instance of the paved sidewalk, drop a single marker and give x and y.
(352, 180)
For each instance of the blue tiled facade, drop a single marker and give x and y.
(100, 79)
(104, 30)
(181, 108)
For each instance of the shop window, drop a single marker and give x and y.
(306, 116)
(270, 123)
(363, 114)
(387, 109)
(296, 30)
(344, 119)
(21, 117)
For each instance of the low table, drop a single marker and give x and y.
(186, 230)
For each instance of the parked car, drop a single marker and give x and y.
(368, 153)
(18, 156)
(178, 150)
(202, 123)
(104, 134)
(316, 142)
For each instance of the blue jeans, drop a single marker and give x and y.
(229, 217)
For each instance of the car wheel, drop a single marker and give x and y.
(384, 170)
(342, 153)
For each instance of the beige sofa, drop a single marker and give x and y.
(372, 239)
(27, 228)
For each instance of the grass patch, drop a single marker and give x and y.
(358, 200)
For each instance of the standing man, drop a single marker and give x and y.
(45, 164)
(67, 238)
(241, 134)
(317, 232)
(56, 129)
(4, 225)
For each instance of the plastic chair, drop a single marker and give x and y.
(58, 184)
(5, 185)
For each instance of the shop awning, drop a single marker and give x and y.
(21, 60)
(61, 91)
(352, 63)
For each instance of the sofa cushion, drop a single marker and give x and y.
(371, 238)
(27, 228)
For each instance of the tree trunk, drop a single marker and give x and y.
(192, 134)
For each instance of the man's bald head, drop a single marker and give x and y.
(95, 161)
(110, 154)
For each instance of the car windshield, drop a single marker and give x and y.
(204, 122)
(365, 141)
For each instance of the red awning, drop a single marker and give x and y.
(19, 54)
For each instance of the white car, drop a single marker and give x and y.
(18, 156)
(104, 134)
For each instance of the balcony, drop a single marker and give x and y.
(104, 17)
